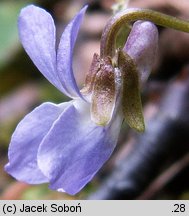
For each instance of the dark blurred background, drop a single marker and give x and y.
(153, 165)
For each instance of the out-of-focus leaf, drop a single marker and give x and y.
(48, 92)
(36, 192)
(184, 195)
(9, 42)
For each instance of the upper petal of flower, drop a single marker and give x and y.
(141, 46)
(76, 148)
(25, 142)
(37, 34)
(65, 53)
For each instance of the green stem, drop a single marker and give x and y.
(130, 15)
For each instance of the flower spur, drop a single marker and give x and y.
(66, 144)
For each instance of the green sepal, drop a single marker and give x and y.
(131, 99)
(90, 76)
(104, 93)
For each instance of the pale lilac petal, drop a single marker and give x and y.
(37, 34)
(26, 140)
(142, 45)
(76, 148)
(65, 53)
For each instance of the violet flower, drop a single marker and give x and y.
(60, 144)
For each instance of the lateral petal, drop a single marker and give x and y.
(76, 148)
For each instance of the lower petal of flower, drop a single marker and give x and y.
(25, 142)
(76, 148)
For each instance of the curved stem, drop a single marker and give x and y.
(124, 17)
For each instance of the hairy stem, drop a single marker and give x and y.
(130, 15)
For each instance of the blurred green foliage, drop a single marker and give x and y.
(9, 11)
